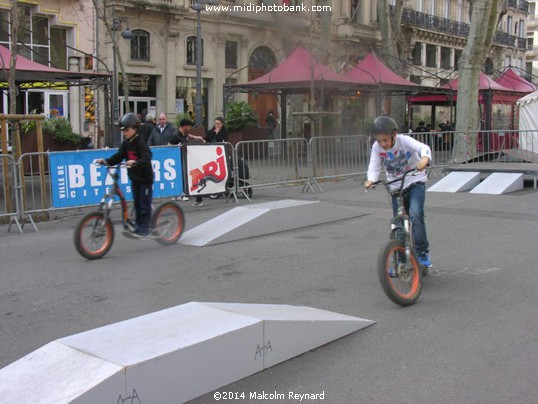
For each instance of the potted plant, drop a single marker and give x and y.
(61, 131)
(242, 123)
(58, 135)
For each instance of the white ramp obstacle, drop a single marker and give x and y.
(499, 183)
(456, 181)
(265, 218)
(170, 356)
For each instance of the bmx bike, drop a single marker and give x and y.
(94, 234)
(399, 270)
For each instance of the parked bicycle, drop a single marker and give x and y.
(94, 234)
(398, 267)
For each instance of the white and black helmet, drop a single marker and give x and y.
(129, 120)
(384, 125)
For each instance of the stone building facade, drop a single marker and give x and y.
(240, 41)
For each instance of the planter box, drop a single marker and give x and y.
(250, 133)
(29, 145)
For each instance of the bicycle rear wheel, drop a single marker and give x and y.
(168, 223)
(402, 286)
(94, 235)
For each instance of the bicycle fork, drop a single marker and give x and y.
(401, 229)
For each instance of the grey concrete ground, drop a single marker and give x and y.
(471, 338)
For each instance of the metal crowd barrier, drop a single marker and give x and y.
(26, 188)
(507, 146)
(339, 156)
(12, 204)
(274, 162)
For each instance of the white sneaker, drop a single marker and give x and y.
(198, 204)
(182, 198)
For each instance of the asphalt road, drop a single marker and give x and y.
(471, 338)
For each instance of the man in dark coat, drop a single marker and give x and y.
(145, 129)
(162, 132)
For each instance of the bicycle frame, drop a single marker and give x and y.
(108, 199)
(401, 221)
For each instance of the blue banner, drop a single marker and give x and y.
(75, 181)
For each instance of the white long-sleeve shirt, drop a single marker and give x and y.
(403, 156)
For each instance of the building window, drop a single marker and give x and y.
(459, 11)
(191, 51)
(457, 56)
(262, 58)
(33, 34)
(140, 46)
(417, 54)
(446, 58)
(415, 79)
(58, 51)
(231, 55)
(431, 55)
(186, 97)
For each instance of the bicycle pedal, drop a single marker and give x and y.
(134, 236)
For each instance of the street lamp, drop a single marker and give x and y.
(198, 6)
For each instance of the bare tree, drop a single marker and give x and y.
(13, 61)
(485, 15)
(391, 39)
(102, 15)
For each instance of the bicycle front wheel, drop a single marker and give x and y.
(94, 235)
(401, 283)
(168, 223)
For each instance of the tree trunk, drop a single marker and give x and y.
(15, 133)
(484, 20)
(390, 33)
(13, 61)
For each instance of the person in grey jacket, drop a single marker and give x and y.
(162, 132)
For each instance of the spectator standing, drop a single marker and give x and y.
(162, 132)
(218, 133)
(421, 129)
(271, 124)
(145, 129)
(183, 136)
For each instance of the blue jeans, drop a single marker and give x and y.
(142, 197)
(414, 198)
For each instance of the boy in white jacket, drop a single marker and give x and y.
(398, 153)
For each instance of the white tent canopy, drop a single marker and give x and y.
(528, 122)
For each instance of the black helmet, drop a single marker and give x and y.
(384, 125)
(129, 120)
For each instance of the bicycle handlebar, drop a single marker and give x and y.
(412, 171)
(117, 166)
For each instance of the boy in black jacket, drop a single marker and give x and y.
(135, 151)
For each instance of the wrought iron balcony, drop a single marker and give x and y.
(451, 27)
(521, 5)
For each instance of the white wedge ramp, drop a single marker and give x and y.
(265, 218)
(172, 355)
(456, 181)
(499, 183)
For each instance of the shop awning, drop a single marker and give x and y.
(28, 72)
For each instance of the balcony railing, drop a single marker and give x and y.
(521, 5)
(434, 23)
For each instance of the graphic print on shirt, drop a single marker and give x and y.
(395, 163)
(131, 155)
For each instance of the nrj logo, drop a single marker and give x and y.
(213, 171)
